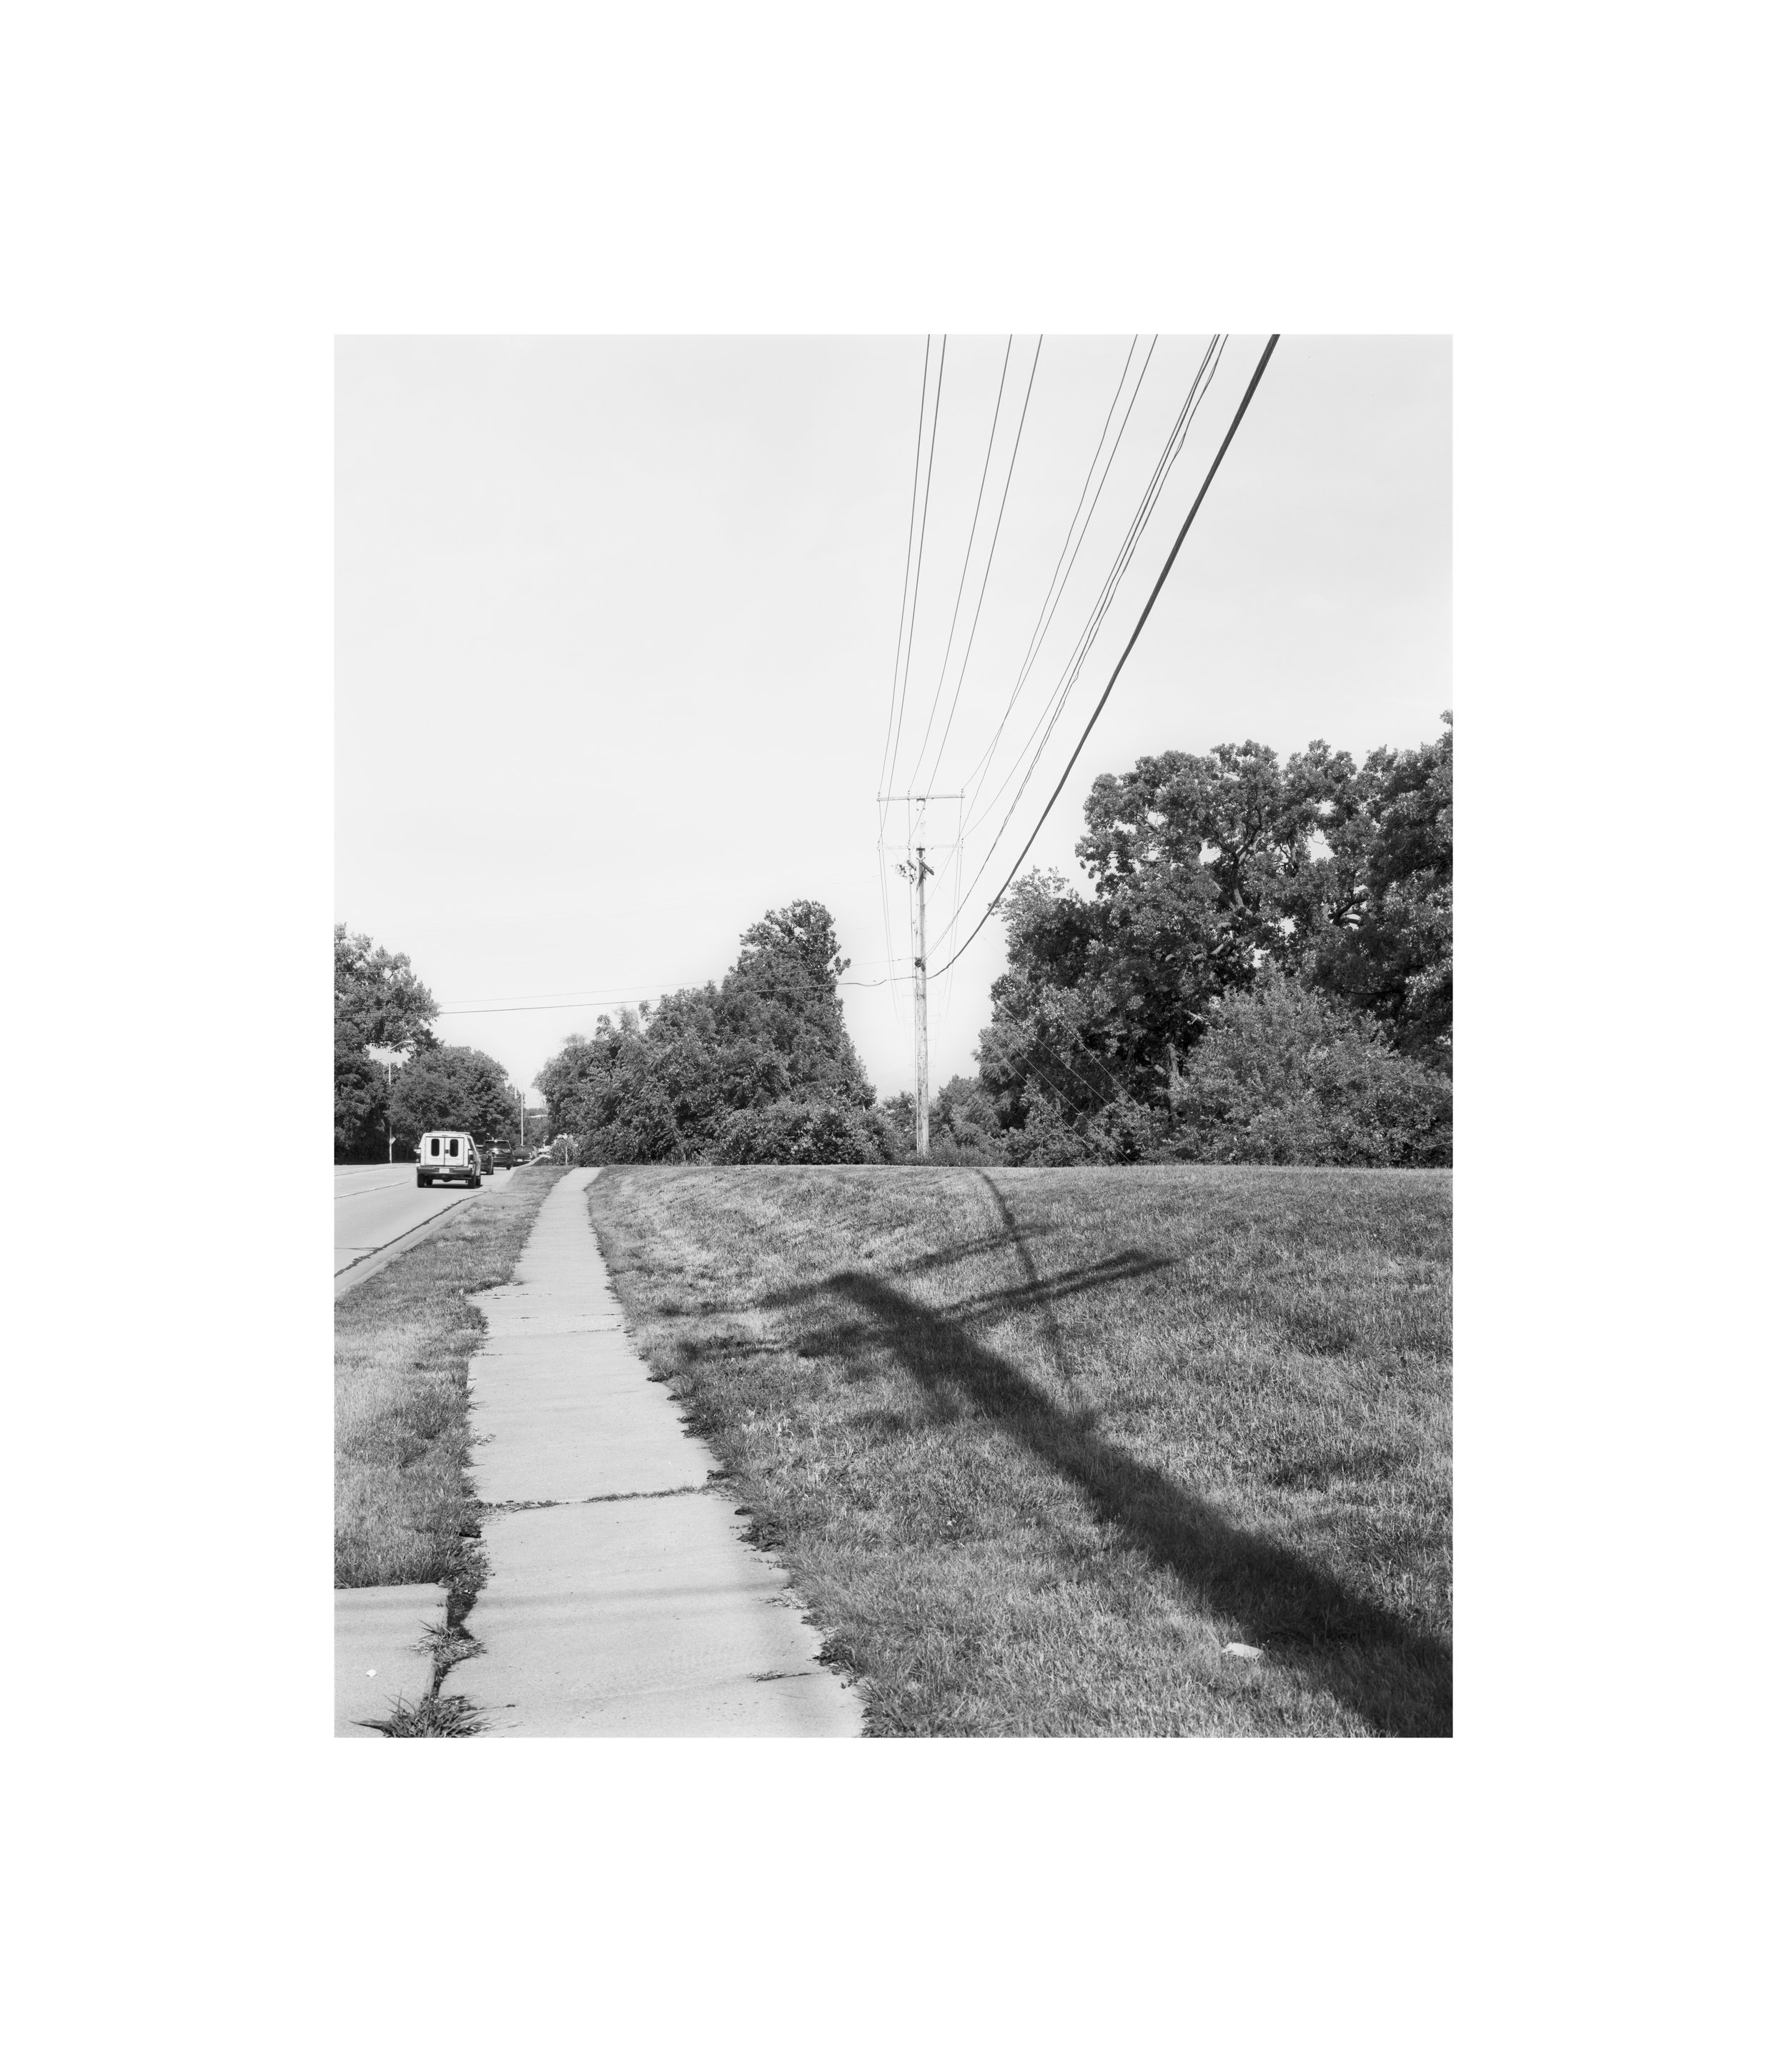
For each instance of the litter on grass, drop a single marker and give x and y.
(1240, 1647)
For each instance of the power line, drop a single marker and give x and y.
(1150, 497)
(497, 999)
(886, 931)
(1011, 468)
(949, 977)
(548, 1006)
(967, 557)
(1101, 1095)
(899, 638)
(1054, 1085)
(911, 631)
(1040, 631)
(1050, 716)
(521, 1003)
(1240, 411)
(918, 580)
(906, 573)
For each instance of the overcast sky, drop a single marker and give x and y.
(617, 623)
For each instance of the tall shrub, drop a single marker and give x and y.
(1288, 1076)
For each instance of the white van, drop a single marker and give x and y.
(448, 1154)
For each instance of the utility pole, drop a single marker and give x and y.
(917, 873)
(921, 1017)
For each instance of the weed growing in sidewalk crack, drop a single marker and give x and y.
(429, 1718)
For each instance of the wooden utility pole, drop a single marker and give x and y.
(918, 871)
(920, 1016)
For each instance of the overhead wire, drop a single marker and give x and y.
(912, 629)
(986, 572)
(1039, 631)
(1234, 426)
(1053, 594)
(1023, 1051)
(1051, 597)
(551, 1006)
(967, 559)
(637, 997)
(491, 1001)
(887, 926)
(906, 573)
(918, 580)
(1099, 1095)
(1050, 716)
(949, 977)
(899, 637)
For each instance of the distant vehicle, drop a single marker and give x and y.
(500, 1155)
(448, 1154)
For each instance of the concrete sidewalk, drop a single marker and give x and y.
(379, 1657)
(621, 1599)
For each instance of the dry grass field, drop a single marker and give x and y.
(1035, 1445)
(403, 1345)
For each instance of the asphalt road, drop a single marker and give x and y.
(376, 1205)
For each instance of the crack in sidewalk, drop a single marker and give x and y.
(617, 1496)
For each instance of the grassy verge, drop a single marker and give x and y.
(404, 1510)
(1036, 1445)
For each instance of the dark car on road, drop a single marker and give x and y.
(500, 1154)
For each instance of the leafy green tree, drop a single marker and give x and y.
(1384, 941)
(666, 1084)
(378, 1000)
(361, 1108)
(1194, 862)
(452, 1087)
(1204, 871)
(779, 1007)
(1288, 1076)
(964, 1125)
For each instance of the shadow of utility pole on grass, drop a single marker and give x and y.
(1375, 1662)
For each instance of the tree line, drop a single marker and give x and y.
(1259, 971)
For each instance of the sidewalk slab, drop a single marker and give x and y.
(375, 1661)
(564, 1418)
(647, 1617)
